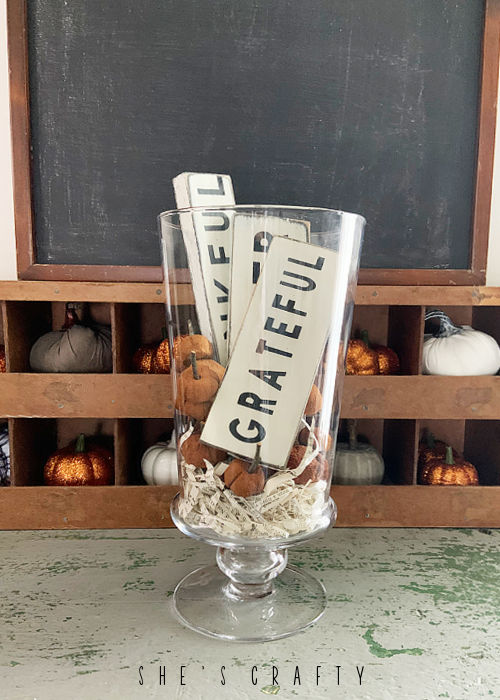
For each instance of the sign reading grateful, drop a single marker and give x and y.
(277, 353)
(208, 237)
(251, 240)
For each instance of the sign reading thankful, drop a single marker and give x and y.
(251, 241)
(272, 368)
(208, 238)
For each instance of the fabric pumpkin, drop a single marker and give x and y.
(159, 464)
(75, 348)
(458, 351)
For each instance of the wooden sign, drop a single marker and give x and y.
(208, 239)
(277, 352)
(251, 240)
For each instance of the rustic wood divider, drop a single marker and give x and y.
(45, 411)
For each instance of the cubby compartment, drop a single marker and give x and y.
(25, 322)
(135, 325)
(33, 440)
(132, 438)
(477, 440)
(395, 440)
(398, 327)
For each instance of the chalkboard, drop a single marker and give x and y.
(371, 107)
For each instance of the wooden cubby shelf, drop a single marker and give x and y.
(131, 411)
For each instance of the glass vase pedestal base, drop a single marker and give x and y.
(251, 595)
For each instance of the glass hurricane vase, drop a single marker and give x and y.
(257, 398)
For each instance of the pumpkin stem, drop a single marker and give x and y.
(449, 456)
(80, 444)
(194, 365)
(190, 327)
(430, 440)
(365, 338)
(353, 433)
(70, 318)
(446, 326)
(256, 460)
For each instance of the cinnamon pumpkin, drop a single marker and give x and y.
(315, 470)
(184, 345)
(195, 452)
(245, 479)
(314, 402)
(197, 386)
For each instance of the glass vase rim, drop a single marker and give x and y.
(231, 207)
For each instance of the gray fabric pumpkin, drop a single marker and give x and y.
(75, 348)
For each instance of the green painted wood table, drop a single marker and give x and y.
(411, 614)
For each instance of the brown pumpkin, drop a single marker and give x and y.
(197, 386)
(195, 452)
(324, 439)
(449, 472)
(245, 479)
(77, 465)
(314, 402)
(184, 345)
(361, 359)
(315, 470)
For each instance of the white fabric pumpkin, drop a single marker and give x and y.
(459, 351)
(75, 348)
(357, 463)
(159, 464)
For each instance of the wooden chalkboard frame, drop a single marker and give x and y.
(28, 268)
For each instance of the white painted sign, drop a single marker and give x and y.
(208, 239)
(277, 352)
(251, 240)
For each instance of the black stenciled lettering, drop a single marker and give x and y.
(275, 676)
(289, 306)
(221, 260)
(318, 265)
(262, 241)
(269, 376)
(282, 328)
(338, 674)
(255, 272)
(309, 285)
(163, 674)
(360, 673)
(141, 680)
(251, 400)
(182, 675)
(317, 674)
(224, 289)
(254, 676)
(263, 346)
(217, 227)
(252, 425)
(219, 190)
(223, 680)
(296, 676)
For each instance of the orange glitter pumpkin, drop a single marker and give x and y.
(361, 359)
(3, 365)
(388, 361)
(449, 472)
(79, 466)
(153, 358)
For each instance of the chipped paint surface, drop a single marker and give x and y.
(80, 612)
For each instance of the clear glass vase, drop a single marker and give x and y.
(258, 367)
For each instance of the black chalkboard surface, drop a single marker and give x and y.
(370, 107)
